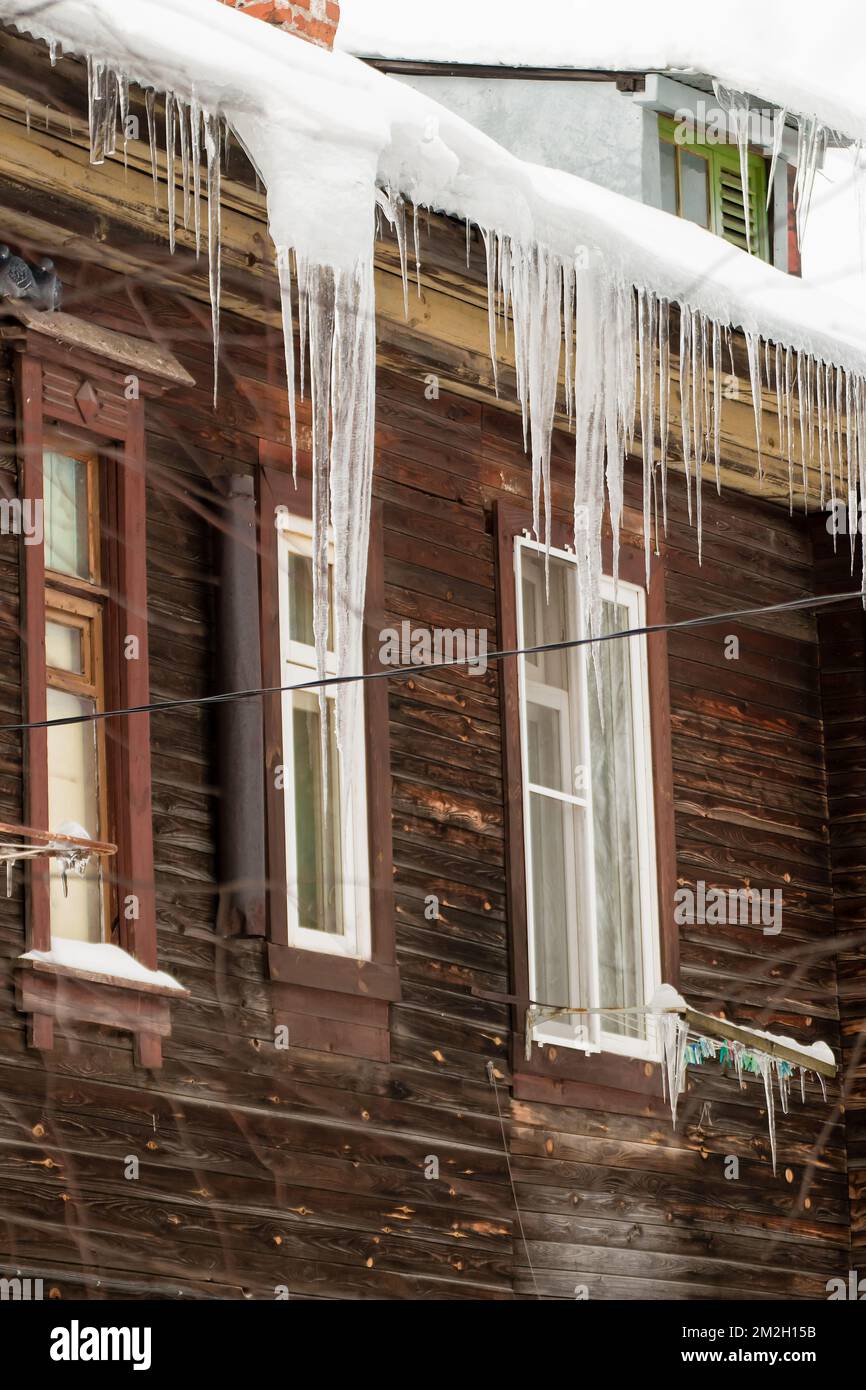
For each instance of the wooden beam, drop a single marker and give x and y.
(719, 1028)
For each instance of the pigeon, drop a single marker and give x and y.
(47, 292)
(16, 278)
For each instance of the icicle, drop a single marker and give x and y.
(183, 119)
(674, 1036)
(341, 313)
(717, 406)
(102, 100)
(150, 108)
(819, 397)
(821, 1084)
(569, 290)
(303, 314)
(321, 282)
(123, 110)
(195, 160)
(468, 240)
(685, 407)
(590, 419)
(52, 52)
(616, 398)
(417, 241)
(490, 256)
(284, 275)
(789, 426)
(736, 104)
(543, 312)
(811, 142)
(395, 210)
(753, 351)
(646, 359)
(778, 135)
(801, 412)
(783, 1076)
(169, 171)
(802, 1085)
(698, 430)
(212, 151)
(664, 402)
(765, 1069)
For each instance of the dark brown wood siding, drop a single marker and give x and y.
(261, 1168)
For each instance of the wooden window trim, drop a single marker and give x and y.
(562, 1074)
(330, 1001)
(718, 157)
(76, 397)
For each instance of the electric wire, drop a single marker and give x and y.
(813, 601)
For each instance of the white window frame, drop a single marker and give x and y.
(298, 664)
(588, 1033)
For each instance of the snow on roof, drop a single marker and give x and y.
(774, 50)
(323, 128)
(327, 134)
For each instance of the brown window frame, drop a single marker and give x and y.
(557, 1073)
(332, 1002)
(74, 399)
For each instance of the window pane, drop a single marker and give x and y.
(555, 828)
(551, 678)
(317, 839)
(73, 796)
(300, 569)
(668, 161)
(615, 827)
(547, 620)
(63, 647)
(694, 188)
(66, 519)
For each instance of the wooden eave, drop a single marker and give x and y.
(65, 334)
(48, 173)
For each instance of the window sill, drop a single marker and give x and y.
(558, 1074)
(61, 986)
(333, 1003)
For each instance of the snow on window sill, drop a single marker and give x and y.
(101, 963)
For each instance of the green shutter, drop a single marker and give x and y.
(727, 208)
(729, 213)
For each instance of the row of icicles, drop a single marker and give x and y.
(678, 1050)
(574, 315)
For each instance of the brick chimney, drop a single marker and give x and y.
(314, 20)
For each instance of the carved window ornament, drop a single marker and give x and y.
(85, 388)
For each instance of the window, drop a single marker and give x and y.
(703, 184)
(590, 838)
(328, 900)
(81, 450)
(330, 919)
(80, 907)
(587, 787)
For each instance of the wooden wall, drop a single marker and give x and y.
(261, 1168)
(843, 695)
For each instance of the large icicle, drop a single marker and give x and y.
(212, 151)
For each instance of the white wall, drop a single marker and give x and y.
(585, 128)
